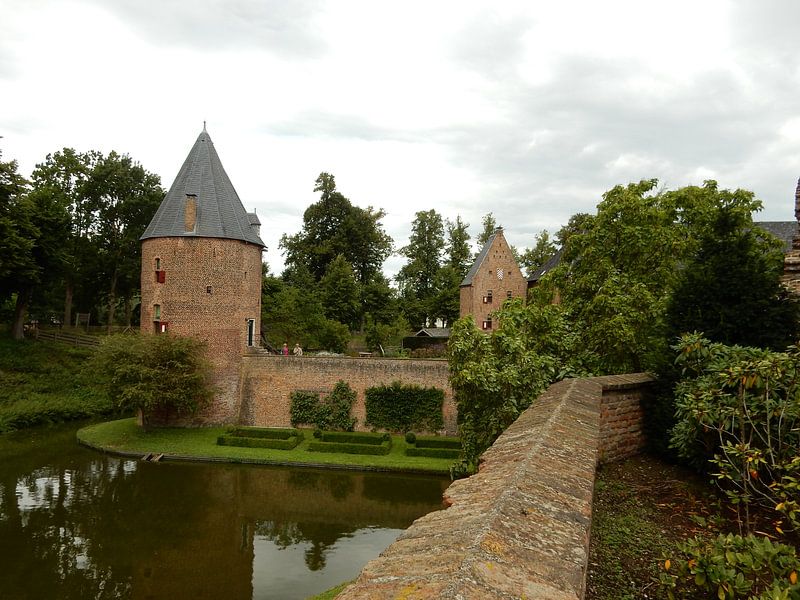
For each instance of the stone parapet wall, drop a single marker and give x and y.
(520, 527)
(268, 382)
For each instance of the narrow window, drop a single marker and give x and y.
(161, 326)
(487, 299)
(190, 213)
(156, 312)
(487, 324)
(158, 264)
(508, 294)
(251, 331)
(209, 289)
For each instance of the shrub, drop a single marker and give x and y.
(259, 442)
(411, 437)
(163, 373)
(351, 448)
(737, 412)
(399, 407)
(439, 442)
(732, 566)
(434, 452)
(331, 412)
(274, 433)
(373, 439)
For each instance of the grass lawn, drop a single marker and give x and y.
(46, 382)
(201, 443)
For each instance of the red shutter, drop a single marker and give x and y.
(161, 276)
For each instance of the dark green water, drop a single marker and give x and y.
(78, 524)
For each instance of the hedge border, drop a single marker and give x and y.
(256, 442)
(433, 452)
(351, 448)
(272, 433)
(452, 443)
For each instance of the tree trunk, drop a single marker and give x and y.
(112, 300)
(20, 311)
(68, 303)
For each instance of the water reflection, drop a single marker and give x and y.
(77, 524)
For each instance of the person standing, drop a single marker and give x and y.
(285, 349)
(298, 351)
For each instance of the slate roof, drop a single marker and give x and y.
(479, 259)
(783, 230)
(220, 213)
(434, 332)
(548, 266)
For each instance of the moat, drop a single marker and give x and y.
(75, 523)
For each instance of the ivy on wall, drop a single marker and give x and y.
(331, 412)
(399, 407)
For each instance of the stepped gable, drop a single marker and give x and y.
(202, 202)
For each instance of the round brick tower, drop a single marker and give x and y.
(201, 272)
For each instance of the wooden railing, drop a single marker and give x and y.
(56, 335)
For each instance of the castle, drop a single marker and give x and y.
(201, 271)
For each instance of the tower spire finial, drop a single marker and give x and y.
(204, 127)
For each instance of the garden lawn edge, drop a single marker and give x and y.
(125, 438)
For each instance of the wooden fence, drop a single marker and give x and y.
(56, 335)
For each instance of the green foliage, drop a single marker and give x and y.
(433, 452)
(279, 441)
(488, 227)
(272, 433)
(355, 437)
(381, 334)
(732, 566)
(399, 407)
(44, 382)
(417, 278)
(738, 413)
(532, 259)
(351, 447)
(411, 437)
(339, 292)
(154, 373)
(495, 377)
(438, 442)
(331, 412)
(730, 289)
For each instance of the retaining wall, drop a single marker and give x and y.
(520, 527)
(268, 381)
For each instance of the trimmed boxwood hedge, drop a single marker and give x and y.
(438, 442)
(372, 439)
(433, 452)
(351, 448)
(273, 433)
(399, 407)
(259, 442)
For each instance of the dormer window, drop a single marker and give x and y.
(190, 213)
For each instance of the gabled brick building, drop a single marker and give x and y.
(494, 277)
(201, 271)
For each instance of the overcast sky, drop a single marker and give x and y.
(527, 109)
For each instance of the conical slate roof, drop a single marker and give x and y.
(219, 212)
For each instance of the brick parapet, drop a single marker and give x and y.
(519, 528)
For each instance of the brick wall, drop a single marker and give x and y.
(211, 287)
(268, 381)
(520, 527)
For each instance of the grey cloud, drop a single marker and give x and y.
(285, 28)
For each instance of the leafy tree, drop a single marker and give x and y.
(490, 225)
(417, 278)
(340, 293)
(160, 375)
(379, 301)
(125, 197)
(532, 259)
(62, 178)
(459, 256)
(17, 238)
(495, 377)
(730, 288)
(333, 226)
